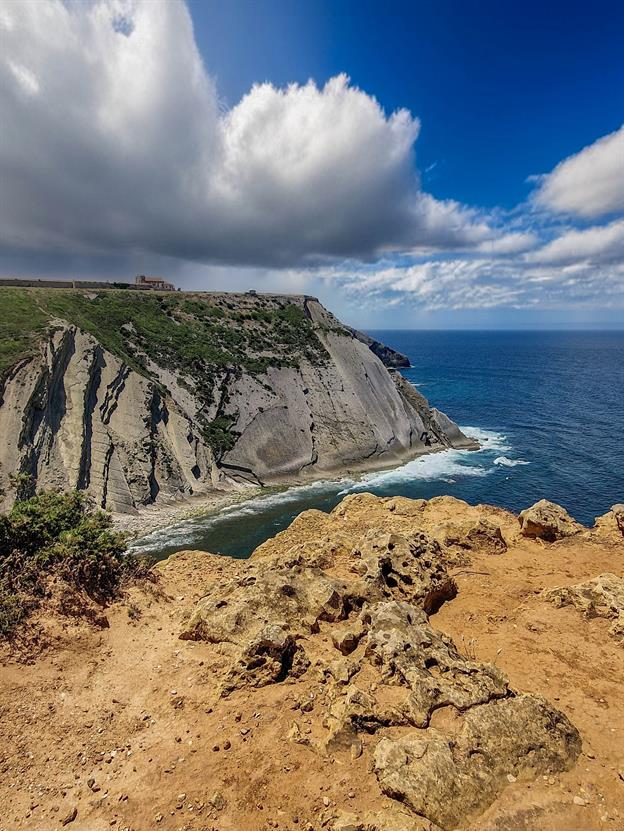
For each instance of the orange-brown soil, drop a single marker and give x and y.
(125, 728)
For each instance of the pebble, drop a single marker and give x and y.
(578, 800)
(70, 817)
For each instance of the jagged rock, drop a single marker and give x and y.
(377, 597)
(388, 356)
(482, 535)
(601, 597)
(346, 639)
(347, 821)
(412, 654)
(341, 670)
(289, 592)
(448, 779)
(612, 521)
(547, 521)
(288, 598)
(271, 656)
(413, 570)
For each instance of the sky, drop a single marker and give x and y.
(414, 165)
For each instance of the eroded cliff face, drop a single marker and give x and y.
(75, 415)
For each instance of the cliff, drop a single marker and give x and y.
(394, 665)
(139, 398)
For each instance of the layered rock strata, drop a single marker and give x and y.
(75, 415)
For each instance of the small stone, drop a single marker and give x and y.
(326, 801)
(578, 800)
(158, 818)
(70, 817)
(511, 777)
(217, 800)
(227, 744)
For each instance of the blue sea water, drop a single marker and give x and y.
(547, 407)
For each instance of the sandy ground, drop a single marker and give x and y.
(122, 728)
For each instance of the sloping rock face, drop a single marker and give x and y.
(347, 414)
(354, 610)
(77, 416)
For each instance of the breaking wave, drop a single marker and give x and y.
(505, 462)
(447, 465)
(261, 516)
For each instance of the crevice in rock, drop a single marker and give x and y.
(90, 400)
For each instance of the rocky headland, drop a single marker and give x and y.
(394, 665)
(143, 398)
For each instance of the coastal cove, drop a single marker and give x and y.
(545, 406)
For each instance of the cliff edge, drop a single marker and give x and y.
(394, 665)
(139, 398)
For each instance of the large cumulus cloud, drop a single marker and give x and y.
(588, 184)
(114, 140)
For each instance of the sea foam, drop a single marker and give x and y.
(505, 462)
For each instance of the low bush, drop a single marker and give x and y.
(57, 534)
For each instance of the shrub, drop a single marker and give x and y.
(57, 534)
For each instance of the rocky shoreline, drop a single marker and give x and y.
(150, 518)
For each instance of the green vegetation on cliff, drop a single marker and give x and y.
(200, 339)
(56, 535)
(181, 332)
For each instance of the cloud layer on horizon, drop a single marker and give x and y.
(115, 144)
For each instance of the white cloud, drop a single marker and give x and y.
(114, 140)
(589, 184)
(510, 243)
(602, 243)
(484, 283)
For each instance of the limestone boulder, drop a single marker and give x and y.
(410, 653)
(547, 521)
(448, 779)
(483, 535)
(601, 597)
(611, 523)
(393, 566)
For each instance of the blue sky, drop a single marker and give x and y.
(413, 164)
(503, 90)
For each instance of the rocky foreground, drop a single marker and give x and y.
(396, 665)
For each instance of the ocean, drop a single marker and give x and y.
(547, 407)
